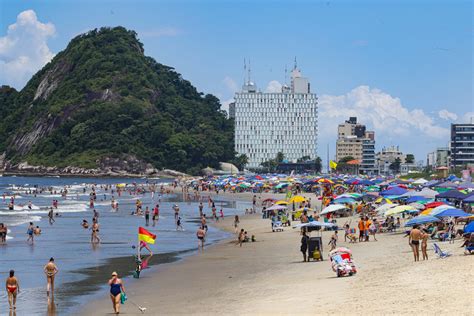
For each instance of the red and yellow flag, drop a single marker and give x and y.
(146, 236)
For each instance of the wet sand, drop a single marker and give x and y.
(268, 277)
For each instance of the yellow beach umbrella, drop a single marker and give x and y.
(297, 199)
(121, 185)
(399, 209)
(381, 199)
(427, 211)
(281, 202)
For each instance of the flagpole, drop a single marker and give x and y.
(138, 246)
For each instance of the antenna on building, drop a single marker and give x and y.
(245, 70)
(249, 70)
(296, 64)
(286, 75)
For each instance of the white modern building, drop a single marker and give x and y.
(268, 123)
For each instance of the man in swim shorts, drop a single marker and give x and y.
(414, 241)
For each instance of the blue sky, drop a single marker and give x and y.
(404, 67)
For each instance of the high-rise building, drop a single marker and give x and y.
(268, 123)
(462, 145)
(356, 142)
(232, 110)
(387, 156)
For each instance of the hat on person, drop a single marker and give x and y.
(114, 273)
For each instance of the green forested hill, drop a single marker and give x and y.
(102, 97)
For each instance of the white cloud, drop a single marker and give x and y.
(162, 32)
(230, 84)
(446, 115)
(24, 50)
(273, 87)
(380, 111)
(225, 104)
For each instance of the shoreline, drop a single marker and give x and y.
(268, 277)
(81, 175)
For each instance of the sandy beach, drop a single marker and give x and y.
(268, 277)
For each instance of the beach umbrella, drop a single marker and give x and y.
(281, 202)
(432, 211)
(121, 185)
(466, 185)
(469, 199)
(422, 219)
(382, 199)
(452, 194)
(418, 206)
(281, 185)
(344, 201)
(385, 207)
(332, 208)
(322, 180)
(419, 181)
(469, 228)
(434, 204)
(276, 207)
(394, 191)
(415, 199)
(297, 199)
(315, 224)
(400, 209)
(450, 212)
(307, 209)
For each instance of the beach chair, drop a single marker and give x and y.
(277, 227)
(441, 254)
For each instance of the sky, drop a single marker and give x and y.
(404, 68)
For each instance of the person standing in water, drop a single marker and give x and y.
(176, 212)
(156, 215)
(201, 234)
(116, 290)
(30, 231)
(95, 231)
(51, 216)
(50, 269)
(13, 288)
(147, 216)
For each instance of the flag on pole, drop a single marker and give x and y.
(146, 236)
(332, 164)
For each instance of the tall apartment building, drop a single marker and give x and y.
(268, 123)
(353, 140)
(462, 145)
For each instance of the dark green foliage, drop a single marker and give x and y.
(110, 99)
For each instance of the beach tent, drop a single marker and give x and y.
(423, 219)
(332, 208)
(450, 212)
(452, 194)
(400, 209)
(394, 191)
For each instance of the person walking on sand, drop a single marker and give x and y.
(236, 223)
(147, 216)
(13, 288)
(201, 234)
(414, 242)
(50, 269)
(30, 231)
(95, 231)
(116, 290)
(51, 216)
(156, 215)
(304, 245)
(241, 237)
(424, 243)
(333, 241)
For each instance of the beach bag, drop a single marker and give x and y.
(316, 255)
(123, 298)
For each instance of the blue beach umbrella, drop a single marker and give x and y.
(423, 219)
(451, 212)
(469, 228)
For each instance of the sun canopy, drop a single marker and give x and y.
(333, 208)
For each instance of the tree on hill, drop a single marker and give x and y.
(410, 158)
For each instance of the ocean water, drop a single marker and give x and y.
(83, 268)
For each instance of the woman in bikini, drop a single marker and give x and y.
(116, 290)
(50, 269)
(13, 288)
